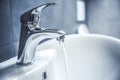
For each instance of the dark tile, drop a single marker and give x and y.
(6, 52)
(5, 23)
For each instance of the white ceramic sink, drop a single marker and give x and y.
(90, 57)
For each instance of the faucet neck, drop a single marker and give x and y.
(34, 39)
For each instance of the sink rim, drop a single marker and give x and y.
(93, 35)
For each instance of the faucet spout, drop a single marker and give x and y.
(35, 38)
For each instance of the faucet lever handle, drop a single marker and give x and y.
(38, 9)
(36, 13)
(31, 18)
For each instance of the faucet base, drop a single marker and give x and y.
(23, 64)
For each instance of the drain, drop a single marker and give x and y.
(44, 76)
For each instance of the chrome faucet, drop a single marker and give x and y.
(32, 35)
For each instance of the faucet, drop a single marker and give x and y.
(33, 35)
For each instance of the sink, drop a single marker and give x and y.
(40, 70)
(89, 57)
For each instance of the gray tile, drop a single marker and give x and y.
(5, 23)
(103, 17)
(6, 52)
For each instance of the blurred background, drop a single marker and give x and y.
(100, 16)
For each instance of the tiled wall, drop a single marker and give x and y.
(6, 31)
(104, 17)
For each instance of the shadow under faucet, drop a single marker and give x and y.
(32, 34)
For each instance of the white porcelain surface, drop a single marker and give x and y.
(10, 71)
(90, 57)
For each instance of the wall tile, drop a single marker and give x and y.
(5, 23)
(103, 17)
(6, 52)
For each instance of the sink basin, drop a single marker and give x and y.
(89, 57)
(40, 70)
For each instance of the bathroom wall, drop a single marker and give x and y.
(6, 31)
(103, 17)
(61, 16)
